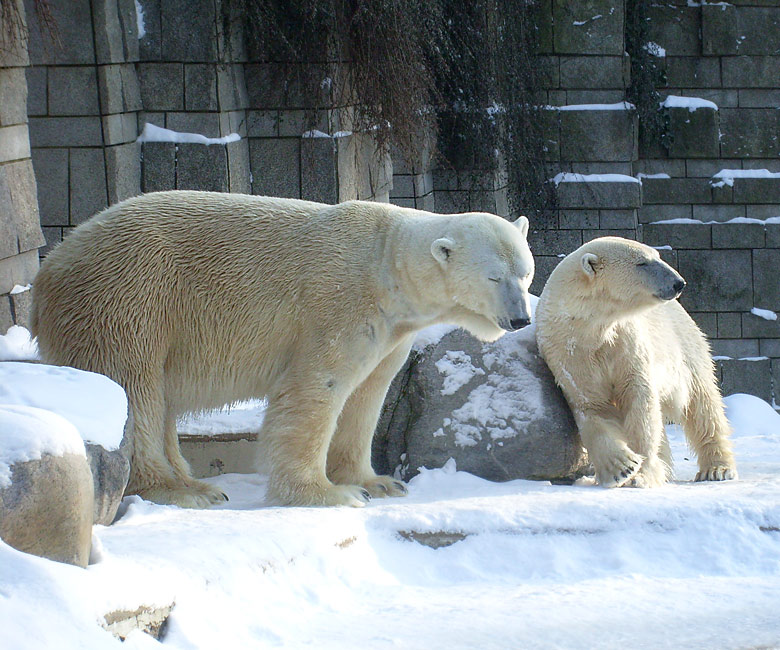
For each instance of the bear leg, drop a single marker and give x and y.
(192, 493)
(349, 455)
(297, 430)
(152, 476)
(645, 433)
(707, 431)
(615, 464)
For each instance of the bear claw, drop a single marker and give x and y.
(400, 487)
(716, 473)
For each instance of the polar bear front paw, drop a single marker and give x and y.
(717, 472)
(619, 469)
(385, 486)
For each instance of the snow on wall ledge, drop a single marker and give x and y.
(691, 103)
(727, 176)
(619, 106)
(152, 133)
(571, 177)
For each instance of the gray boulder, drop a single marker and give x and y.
(493, 407)
(47, 509)
(110, 473)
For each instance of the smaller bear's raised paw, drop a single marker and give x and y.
(620, 469)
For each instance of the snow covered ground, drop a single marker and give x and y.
(529, 565)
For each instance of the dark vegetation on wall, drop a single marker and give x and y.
(646, 74)
(463, 70)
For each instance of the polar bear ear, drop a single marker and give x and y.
(588, 262)
(522, 225)
(441, 250)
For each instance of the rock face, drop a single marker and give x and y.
(493, 407)
(47, 509)
(110, 473)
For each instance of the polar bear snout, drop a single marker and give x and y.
(517, 323)
(667, 282)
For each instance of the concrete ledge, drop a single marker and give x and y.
(221, 454)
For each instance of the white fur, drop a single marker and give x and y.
(629, 358)
(193, 300)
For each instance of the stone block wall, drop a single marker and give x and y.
(93, 91)
(83, 104)
(703, 200)
(90, 94)
(20, 231)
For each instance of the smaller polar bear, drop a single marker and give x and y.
(193, 300)
(629, 358)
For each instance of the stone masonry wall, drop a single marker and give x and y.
(20, 232)
(721, 61)
(91, 93)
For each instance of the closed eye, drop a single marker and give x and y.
(494, 280)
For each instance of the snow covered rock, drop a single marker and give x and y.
(93, 404)
(493, 407)
(46, 489)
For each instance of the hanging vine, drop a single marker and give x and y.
(461, 70)
(646, 73)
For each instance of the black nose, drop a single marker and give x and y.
(679, 285)
(517, 323)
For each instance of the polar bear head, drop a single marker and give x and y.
(619, 272)
(488, 268)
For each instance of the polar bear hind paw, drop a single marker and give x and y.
(620, 469)
(385, 486)
(193, 495)
(716, 472)
(354, 496)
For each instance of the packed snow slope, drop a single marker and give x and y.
(459, 563)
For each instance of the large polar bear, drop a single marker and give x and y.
(194, 300)
(629, 358)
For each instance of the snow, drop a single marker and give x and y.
(710, 223)
(619, 106)
(536, 565)
(139, 18)
(431, 336)
(18, 288)
(314, 133)
(17, 345)
(766, 314)
(579, 23)
(29, 432)
(92, 403)
(242, 417)
(654, 49)
(727, 176)
(152, 133)
(457, 369)
(569, 177)
(523, 564)
(691, 103)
